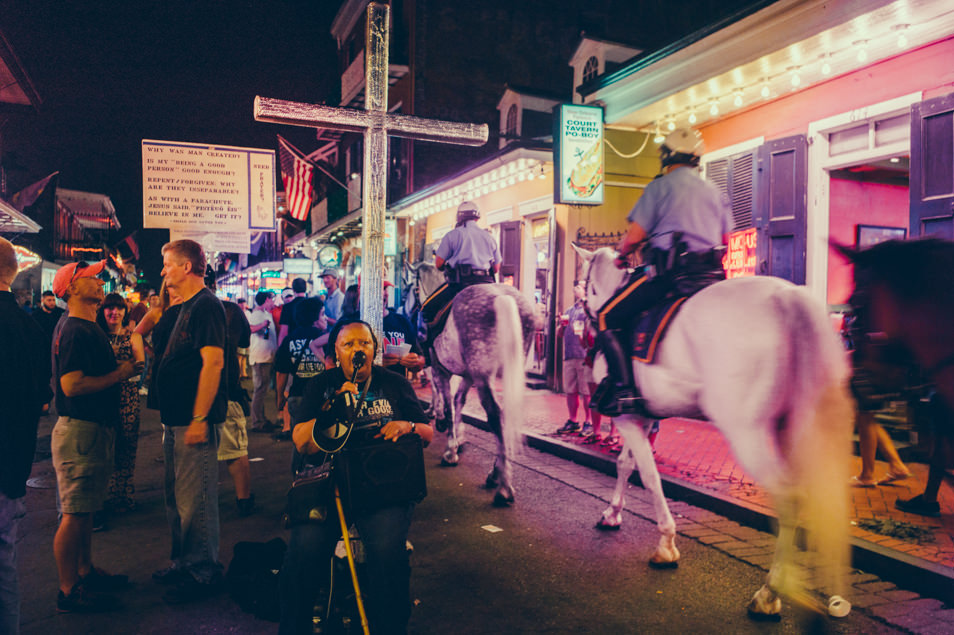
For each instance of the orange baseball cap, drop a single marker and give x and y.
(68, 273)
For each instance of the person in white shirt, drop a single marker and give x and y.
(261, 355)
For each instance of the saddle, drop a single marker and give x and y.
(650, 327)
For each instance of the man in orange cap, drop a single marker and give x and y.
(87, 400)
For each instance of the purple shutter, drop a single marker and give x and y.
(779, 214)
(932, 168)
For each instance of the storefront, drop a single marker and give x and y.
(513, 190)
(822, 122)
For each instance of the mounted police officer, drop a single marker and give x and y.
(685, 220)
(467, 255)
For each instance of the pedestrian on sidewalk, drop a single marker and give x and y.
(243, 350)
(113, 318)
(577, 376)
(287, 320)
(233, 445)
(300, 357)
(192, 405)
(87, 389)
(24, 390)
(261, 356)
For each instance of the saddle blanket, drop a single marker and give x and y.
(650, 327)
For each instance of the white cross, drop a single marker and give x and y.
(376, 124)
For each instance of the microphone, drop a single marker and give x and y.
(357, 361)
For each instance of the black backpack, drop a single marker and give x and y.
(253, 575)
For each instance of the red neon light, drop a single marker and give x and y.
(740, 259)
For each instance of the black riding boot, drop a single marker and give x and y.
(616, 394)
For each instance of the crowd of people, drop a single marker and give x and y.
(186, 351)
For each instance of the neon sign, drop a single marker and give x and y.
(25, 258)
(740, 259)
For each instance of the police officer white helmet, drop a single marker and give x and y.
(467, 211)
(682, 145)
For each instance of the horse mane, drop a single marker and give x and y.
(914, 271)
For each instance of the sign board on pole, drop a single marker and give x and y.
(231, 242)
(578, 146)
(207, 188)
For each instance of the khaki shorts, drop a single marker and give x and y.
(233, 442)
(83, 460)
(577, 377)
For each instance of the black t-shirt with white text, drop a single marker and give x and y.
(82, 345)
(295, 357)
(200, 323)
(390, 397)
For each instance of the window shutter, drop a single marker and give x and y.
(932, 168)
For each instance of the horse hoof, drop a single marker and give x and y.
(491, 482)
(662, 564)
(446, 463)
(765, 611)
(602, 525)
(838, 606)
(502, 501)
(442, 425)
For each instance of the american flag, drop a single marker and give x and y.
(297, 173)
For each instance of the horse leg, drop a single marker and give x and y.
(501, 476)
(455, 436)
(441, 401)
(637, 451)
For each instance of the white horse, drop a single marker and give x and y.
(487, 334)
(759, 358)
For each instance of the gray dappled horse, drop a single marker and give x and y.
(759, 358)
(487, 333)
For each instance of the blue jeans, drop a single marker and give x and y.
(385, 588)
(192, 502)
(11, 511)
(261, 373)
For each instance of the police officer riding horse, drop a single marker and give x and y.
(467, 255)
(678, 229)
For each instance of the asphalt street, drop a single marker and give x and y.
(538, 567)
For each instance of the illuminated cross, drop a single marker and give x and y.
(376, 124)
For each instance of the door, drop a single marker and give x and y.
(779, 213)
(510, 237)
(932, 168)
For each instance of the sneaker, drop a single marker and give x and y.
(570, 427)
(191, 590)
(80, 600)
(98, 580)
(587, 430)
(170, 575)
(246, 506)
(918, 505)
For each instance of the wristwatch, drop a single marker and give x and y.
(413, 428)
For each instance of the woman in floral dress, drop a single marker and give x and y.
(113, 317)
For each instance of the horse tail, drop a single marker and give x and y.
(823, 414)
(510, 350)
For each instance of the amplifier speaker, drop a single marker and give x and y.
(386, 473)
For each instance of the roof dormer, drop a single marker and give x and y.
(594, 57)
(525, 114)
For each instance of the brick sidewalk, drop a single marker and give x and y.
(694, 452)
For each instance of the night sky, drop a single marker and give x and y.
(113, 73)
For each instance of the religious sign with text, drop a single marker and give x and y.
(207, 188)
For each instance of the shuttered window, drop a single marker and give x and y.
(734, 176)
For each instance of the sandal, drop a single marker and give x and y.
(592, 439)
(610, 441)
(893, 477)
(854, 481)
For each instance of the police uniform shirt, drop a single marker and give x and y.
(683, 201)
(469, 245)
